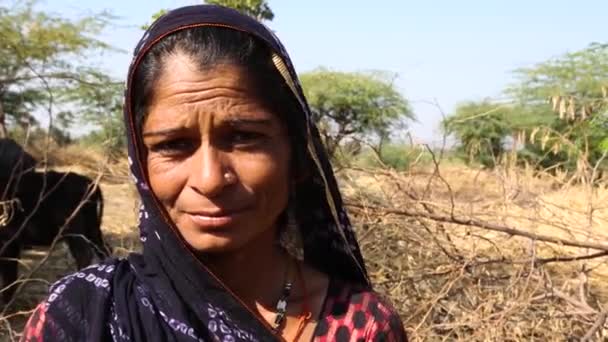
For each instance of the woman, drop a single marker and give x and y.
(244, 233)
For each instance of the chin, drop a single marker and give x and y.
(215, 244)
(228, 238)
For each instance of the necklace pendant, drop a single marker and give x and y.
(282, 305)
(278, 321)
(281, 311)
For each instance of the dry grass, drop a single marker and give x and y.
(450, 281)
(461, 282)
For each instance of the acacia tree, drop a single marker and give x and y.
(558, 114)
(567, 96)
(349, 105)
(481, 128)
(42, 64)
(258, 9)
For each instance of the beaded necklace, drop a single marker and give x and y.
(281, 307)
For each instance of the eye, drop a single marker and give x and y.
(246, 137)
(174, 147)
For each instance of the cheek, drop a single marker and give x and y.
(266, 175)
(166, 179)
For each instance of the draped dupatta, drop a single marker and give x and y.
(167, 293)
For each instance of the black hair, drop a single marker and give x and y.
(210, 46)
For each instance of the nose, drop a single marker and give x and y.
(208, 171)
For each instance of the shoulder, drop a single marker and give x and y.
(74, 303)
(356, 313)
(96, 278)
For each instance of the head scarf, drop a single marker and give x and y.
(166, 293)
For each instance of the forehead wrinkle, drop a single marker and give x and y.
(193, 95)
(195, 98)
(228, 107)
(195, 114)
(224, 105)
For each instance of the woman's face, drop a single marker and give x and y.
(217, 160)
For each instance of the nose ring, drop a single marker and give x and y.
(229, 177)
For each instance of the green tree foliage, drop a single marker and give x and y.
(398, 156)
(481, 129)
(578, 75)
(568, 110)
(558, 117)
(155, 16)
(103, 108)
(42, 64)
(354, 105)
(258, 9)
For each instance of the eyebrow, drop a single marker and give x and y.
(248, 121)
(163, 132)
(233, 121)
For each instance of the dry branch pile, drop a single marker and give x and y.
(485, 256)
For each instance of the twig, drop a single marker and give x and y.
(487, 225)
(599, 322)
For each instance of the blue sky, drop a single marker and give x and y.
(446, 51)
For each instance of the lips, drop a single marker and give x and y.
(214, 218)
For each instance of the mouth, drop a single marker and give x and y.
(214, 218)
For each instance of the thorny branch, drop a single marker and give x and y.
(485, 225)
